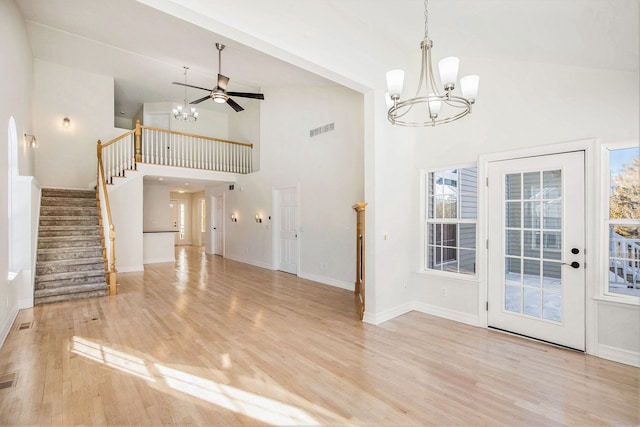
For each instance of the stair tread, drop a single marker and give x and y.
(72, 289)
(68, 248)
(69, 238)
(49, 277)
(75, 261)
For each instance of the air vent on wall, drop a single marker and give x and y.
(322, 129)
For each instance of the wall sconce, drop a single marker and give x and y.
(66, 122)
(234, 218)
(31, 140)
(259, 218)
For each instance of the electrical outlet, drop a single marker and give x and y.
(443, 292)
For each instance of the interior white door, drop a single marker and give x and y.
(287, 222)
(217, 231)
(536, 278)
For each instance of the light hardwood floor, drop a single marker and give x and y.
(211, 341)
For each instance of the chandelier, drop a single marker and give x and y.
(434, 106)
(184, 113)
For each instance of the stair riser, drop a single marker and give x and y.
(82, 194)
(65, 201)
(68, 297)
(65, 233)
(68, 222)
(69, 243)
(69, 255)
(61, 268)
(67, 211)
(85, 280)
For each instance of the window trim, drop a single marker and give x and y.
(603, 292)
(424, 182)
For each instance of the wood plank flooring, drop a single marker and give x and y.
(210, 341)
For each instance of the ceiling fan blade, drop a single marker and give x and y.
(246, 95)
(195, 87)
(222, 82)
(233, 104)
(198, 101)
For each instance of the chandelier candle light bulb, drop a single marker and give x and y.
(441, 105)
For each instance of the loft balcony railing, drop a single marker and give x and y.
(163, 147)
(146, 144)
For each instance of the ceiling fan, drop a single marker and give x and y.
(219, 93)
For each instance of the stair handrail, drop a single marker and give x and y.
(193, 135)
(109, 246)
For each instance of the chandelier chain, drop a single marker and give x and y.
(426, 21)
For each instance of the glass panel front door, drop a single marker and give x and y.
(536, 280)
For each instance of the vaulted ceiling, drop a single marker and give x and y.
(144, 49)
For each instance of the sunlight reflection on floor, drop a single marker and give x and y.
(249, 404)
(231, 398)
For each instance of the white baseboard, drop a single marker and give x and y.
(6, 328)
(619, 355)
(131, 269)
(328, 281)
(378, 318)
(458, 316)
(25, 303)
(255, 263)
(158, 260)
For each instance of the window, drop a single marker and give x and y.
(450, 220)
(623, 221)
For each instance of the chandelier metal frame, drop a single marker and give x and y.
(453, 106)
(186, 114)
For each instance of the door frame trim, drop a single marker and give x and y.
(589, 147)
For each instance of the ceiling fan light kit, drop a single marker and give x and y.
(219, 93)
(439, 107)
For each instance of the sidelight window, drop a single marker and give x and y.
(623, 221)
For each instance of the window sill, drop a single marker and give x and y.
(451, 276)
(623, 299)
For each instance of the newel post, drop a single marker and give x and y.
(360, 256)
(113, 286)
(138, 141)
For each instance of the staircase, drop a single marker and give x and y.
(70, 263)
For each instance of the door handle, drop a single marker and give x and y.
(574, 264)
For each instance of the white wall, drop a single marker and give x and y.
(209, 123)
(245, 127)
(327, 169)
(16, 95)
(156, 208)
(66, 157)
(127, 206)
